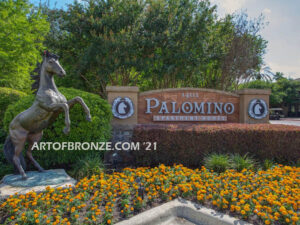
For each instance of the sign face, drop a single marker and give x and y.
(188, 105)
(258, 109)
(122, 108)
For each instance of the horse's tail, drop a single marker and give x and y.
(9, 152)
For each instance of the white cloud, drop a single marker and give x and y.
(229, 6)
(267, 11)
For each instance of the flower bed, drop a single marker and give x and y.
(271, 196)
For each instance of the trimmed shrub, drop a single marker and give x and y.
(217, 162)
(8, 96)
(5, 168)
(99, 130)
(189, 144)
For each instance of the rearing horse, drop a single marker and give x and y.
(48, 104)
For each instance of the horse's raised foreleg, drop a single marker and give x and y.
(59, 106)
(82, 103)
(32, 138)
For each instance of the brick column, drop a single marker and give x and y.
(246, 95)
(114, 92)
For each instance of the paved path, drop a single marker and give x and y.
(287, 121)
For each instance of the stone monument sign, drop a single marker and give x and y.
(187, 105)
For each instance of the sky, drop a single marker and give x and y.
(282, 31)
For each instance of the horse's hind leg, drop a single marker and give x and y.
(32, 138)
(18, 138)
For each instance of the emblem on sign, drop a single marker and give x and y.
(122, 108)
(258, 109)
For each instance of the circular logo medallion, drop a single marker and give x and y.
(258, 109)
(122, 108)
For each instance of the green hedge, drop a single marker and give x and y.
(8, 96)
(98, 130)
(189, 144)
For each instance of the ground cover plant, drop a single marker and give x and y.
(264, 197)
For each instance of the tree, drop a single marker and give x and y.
(291, 88)
(278, 75)
(152, 44)
(245, 54)
(264, 73)
(22, 32)
(97, 42)
(284, 91)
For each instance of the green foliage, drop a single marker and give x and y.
(90, 165)
(267, 164)
(290, 88)
(217, 162)
(221, 162)
(276, 96)
(153, 44)
(283, 91)
(81, 130)
(8, 96)
(22, 32)
(2, 135)
(242, 162)
(5, 168)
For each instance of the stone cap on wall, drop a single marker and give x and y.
(122, 89)
(249, 91)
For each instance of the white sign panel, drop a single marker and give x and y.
(258, 109)
(122, 108)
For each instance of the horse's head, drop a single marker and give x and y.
(52, 65)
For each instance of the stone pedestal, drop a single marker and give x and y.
(36, 181)
(246, 95)
(117, 159)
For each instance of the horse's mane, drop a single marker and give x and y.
(36, 73)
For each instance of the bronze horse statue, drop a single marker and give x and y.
(48, 104)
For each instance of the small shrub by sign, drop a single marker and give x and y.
(190, 144)
(217, 162)
(88, 166)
